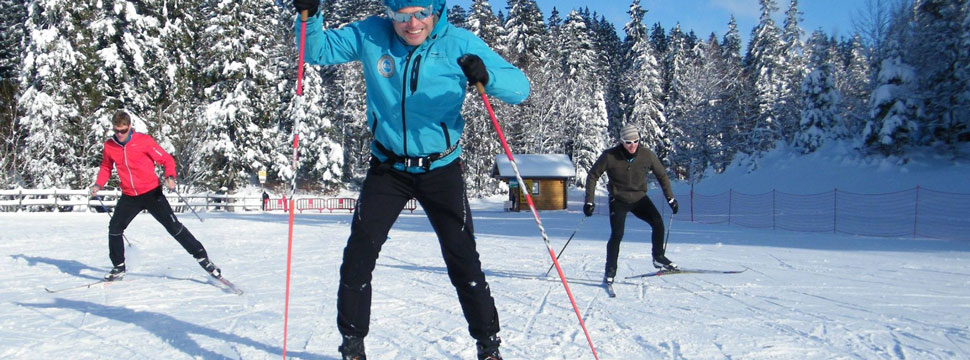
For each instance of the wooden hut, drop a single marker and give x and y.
(546, 177)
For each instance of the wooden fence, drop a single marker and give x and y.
(67, 200)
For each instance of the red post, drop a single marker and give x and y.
(296, 151)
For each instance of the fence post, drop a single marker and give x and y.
(916, 212)
(835, 210)
(691, 202)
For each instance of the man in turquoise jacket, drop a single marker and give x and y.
(417, 68)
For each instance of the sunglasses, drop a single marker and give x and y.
(631, 142)
(403, 18)
(121, 131)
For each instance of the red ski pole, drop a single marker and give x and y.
(296, 153)
(535, 214)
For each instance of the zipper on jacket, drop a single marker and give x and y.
(444, 129)
(414, 73)
(404, 95)
(124, 151)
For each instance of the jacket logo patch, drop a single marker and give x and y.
(385, 66)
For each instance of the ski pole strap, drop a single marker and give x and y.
(408, 161)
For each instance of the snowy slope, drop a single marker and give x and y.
(838, 165)
(805, 296)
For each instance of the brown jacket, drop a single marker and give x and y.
(628, 179)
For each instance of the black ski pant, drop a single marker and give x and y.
(642, 209)
(441, 193)
(155, 202)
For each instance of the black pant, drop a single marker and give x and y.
(441, 192)
(155, 202)
(642, 209)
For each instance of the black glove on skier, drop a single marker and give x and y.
(311, 6)
(673, 204)
(474, 69)
(588, 209)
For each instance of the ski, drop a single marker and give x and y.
(88, 285)
(571, 280)
(609, 289)
(229, 285)
(686, 271)
(226, 284)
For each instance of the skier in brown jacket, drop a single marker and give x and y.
(627, 165)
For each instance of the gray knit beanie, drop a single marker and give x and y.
(629, 133)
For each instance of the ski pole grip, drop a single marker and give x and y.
(304, 15)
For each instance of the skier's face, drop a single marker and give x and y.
(418, 25)
(631, 145)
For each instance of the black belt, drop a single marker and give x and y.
(408, 161)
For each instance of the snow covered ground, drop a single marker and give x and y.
(804, 296)
(808, 296)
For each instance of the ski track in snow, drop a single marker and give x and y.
(539, 307)
(813, 297)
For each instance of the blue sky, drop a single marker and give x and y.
(706, 16)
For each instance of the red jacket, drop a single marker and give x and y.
(135, 162)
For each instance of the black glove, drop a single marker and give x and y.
(474, 69)
(311, 6)
(588, 209)
(673, 204)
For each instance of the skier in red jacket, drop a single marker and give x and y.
(134, 156)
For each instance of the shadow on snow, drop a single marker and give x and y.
(70, 267)
(170, 330)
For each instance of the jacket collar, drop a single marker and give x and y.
(127, 139)
(439, 27)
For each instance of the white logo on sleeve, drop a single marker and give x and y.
(385, 66)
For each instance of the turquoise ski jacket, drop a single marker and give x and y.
(414, 94)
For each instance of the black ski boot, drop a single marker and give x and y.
(116, 273)
(352, 348)
(662, 262)
(608, 280)
(209, 267)
(488, 348)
